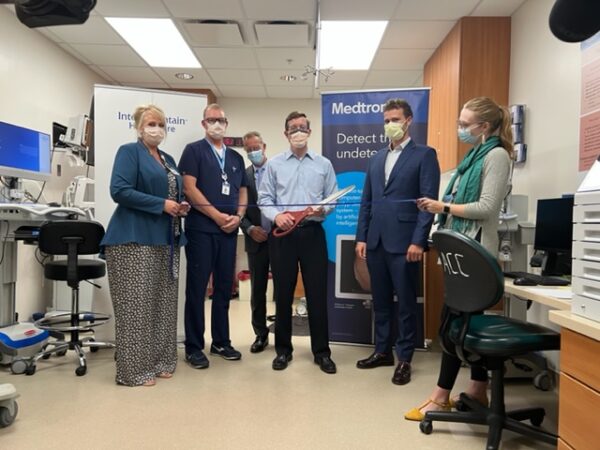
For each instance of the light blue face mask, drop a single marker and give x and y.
(255, 157)
(465, 135)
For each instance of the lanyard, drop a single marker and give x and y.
(220, 160)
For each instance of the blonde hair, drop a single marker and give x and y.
(211, 107)
(140, 112)
(487, 110)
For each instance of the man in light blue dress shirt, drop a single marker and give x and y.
(299, 176)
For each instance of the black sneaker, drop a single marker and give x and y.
(225, 352)
(197, 360)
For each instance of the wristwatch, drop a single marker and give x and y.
(446, 209)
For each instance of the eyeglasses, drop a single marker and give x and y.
(466, 125)
(213, 120)
(297, 130)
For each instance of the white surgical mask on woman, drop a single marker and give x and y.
(152, 135)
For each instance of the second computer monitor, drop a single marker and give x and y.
(554, 234)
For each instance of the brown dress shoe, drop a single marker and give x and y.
(402, 373)
(376, 360)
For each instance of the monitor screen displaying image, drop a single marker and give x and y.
(346, 284)
(24, 153)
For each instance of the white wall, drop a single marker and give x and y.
(39, 83)
(545, 76)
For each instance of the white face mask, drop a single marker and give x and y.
(152, 135)
(299, 139)
(215, 130)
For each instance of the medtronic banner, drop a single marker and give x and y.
(352, 133)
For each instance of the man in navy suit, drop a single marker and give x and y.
(392, 235)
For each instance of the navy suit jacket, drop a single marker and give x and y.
(252, 216)
(382, 217)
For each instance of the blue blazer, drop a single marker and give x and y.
(139, 186)
(398, 224)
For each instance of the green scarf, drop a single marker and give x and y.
(469, 186)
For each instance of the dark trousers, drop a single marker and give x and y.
(208, 253)
(258, 263)
(306, 246)
(390, 273)
(451, 366)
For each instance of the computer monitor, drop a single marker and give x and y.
(24, 153)
(554, 234)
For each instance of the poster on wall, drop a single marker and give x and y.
(114, 126)
(352, 133)
(589, 120)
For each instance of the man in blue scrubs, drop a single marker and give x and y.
(299, 176)
(214, 182)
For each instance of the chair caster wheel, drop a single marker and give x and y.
(6, 416)
(426, 426)
(542, 381)
(61, 353)
(18, 366)
(537, 420)
(81, 371)
(30, 369)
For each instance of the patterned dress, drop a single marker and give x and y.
(143, 283)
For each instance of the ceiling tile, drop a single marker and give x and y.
(418, 81)
(95, 31)
(205, 9)
(280, 10)
(415, 34)
(100, 72)
(435, 9)
(226, 58)
(373, 10)
(289, 92)
(151, 85)
(346, 78)
(390, 78)
(280, 58)
(69, 49)
(283, 35)
(131, 8)
(212, 34)
(400, 59)
(273, 78)
(49, 34)
(110, 55)
(243, 91)
(235, 77)
(131, 74)
(168, 75)
(495, 8)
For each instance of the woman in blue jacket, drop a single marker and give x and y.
(141, 245)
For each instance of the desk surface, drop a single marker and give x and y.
(527, 293)
(579, 324)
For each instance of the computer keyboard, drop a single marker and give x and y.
(543, 280)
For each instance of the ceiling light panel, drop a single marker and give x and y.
(158, 41)
(349, 45)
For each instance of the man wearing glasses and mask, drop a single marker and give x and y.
(299, 176)
(214, 183)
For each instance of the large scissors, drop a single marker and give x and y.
(299, 216)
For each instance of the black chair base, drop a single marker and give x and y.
(495, 416)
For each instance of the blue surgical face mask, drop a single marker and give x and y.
(465, 135)
(255, 157)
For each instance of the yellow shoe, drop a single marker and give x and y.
(416, 414)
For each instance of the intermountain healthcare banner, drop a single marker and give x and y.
(113, 127)
(352, 133)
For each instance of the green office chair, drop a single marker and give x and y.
(473, 282)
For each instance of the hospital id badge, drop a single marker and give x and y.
(225, 188)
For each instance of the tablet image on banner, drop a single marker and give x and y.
(347, 273)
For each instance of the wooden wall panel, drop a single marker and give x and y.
(441, 73)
